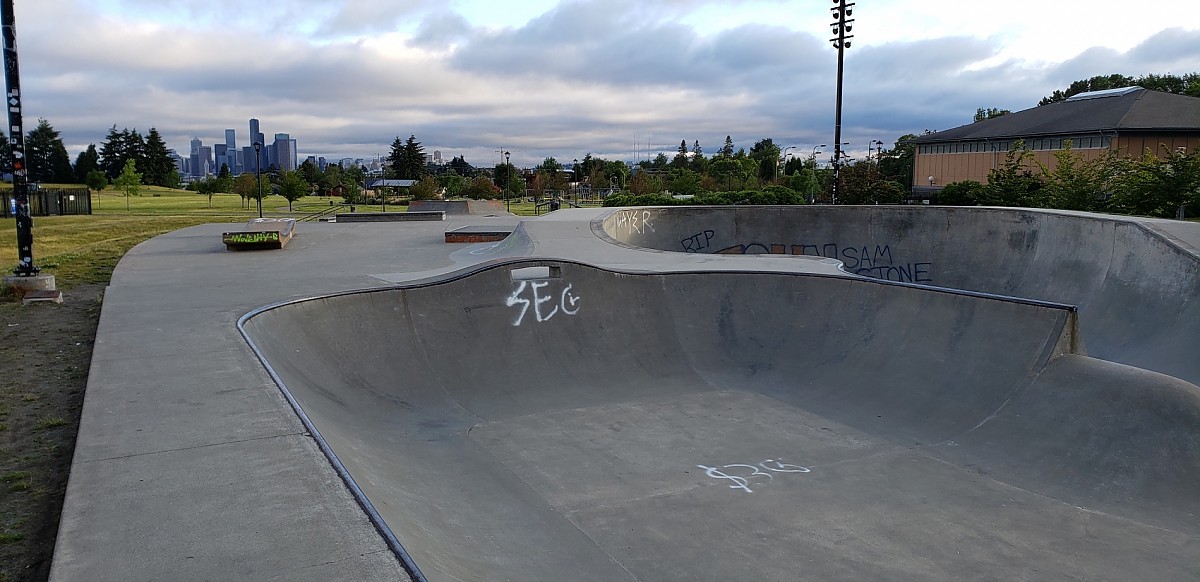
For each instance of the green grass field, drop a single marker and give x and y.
(85, 249)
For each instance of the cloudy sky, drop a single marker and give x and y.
(618, 78)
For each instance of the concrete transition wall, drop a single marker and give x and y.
(538, 418)
(1136, 292)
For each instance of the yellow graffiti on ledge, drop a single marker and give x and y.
(251, 237)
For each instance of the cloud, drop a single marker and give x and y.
(347, 77)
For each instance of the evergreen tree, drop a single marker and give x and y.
(46, 155)
(727, 149)
(157, 165)
(412, 160)
(87, 161)
(395, 159)
(680, 160)
(119, 147)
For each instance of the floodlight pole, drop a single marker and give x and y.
(841, 25)
(507, 184)
(16, 141)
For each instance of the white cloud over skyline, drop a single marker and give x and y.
(566, 78)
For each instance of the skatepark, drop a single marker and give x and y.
(682, 393)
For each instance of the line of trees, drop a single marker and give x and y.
(1166, 186)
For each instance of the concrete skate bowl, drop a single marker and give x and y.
(549, 420)
(1138, 294)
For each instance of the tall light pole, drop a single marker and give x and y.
(575, 174)
(258, 175)
(507, 184)
(812, 187)
(783, 157)
(841, 41)
(12, 76)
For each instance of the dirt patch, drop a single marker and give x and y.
(45, 355)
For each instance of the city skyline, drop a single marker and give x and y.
(616, 78)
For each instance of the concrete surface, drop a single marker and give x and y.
(587, 401)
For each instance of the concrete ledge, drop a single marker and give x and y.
(391, 216)
(261, 233)
(477, 234)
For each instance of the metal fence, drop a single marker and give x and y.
(50, 202)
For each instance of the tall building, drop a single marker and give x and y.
(285, 154)
(255, 134)
(231, 152)
(194, 165)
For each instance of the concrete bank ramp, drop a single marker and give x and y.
(460, 207)
(1137, 289)
(548, 420)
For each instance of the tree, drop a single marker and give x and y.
(426, 189)
(452, 184)
(727, 149)
(681, 156)
(119, 147)
(965, 193)
(1154, 186)
(86, 162)
(1074, 183)
(480, 188)
(245, 186)
(156, 164)
(46, 156)
(990, 113)
(96, 180)
(408, 159)
(1188, 84)
(550, 176)
(1013, 184)
(896, 164)
(461, 167)
(224, 180)
(292, 187)
(206, 187)
(129, 181)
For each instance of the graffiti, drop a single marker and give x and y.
(566, 302)
(251, 237)
(874, 261)
(631, 221)
(743, 475)
(697, 242)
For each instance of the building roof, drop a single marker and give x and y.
(1127, 109)
(391, 183)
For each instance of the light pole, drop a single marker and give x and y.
(575, 174)
(507, 184)
(841, 41)
(258, 175)
(812, 186)
(784, 158)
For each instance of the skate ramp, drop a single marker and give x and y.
(460, 207)
(548, 420)
(1138, 293)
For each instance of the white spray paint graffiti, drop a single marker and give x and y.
(567, 303)
(742, 479)
(631, 221)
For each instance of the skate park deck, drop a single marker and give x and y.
(601, 397)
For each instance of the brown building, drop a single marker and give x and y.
(1129, 120)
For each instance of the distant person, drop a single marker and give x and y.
(555, 204)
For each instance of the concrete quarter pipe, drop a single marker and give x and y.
(982, 394)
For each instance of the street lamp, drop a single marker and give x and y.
(575, 174)
(784, 158)
(258, 175)
(507, 184)
(812, 186)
